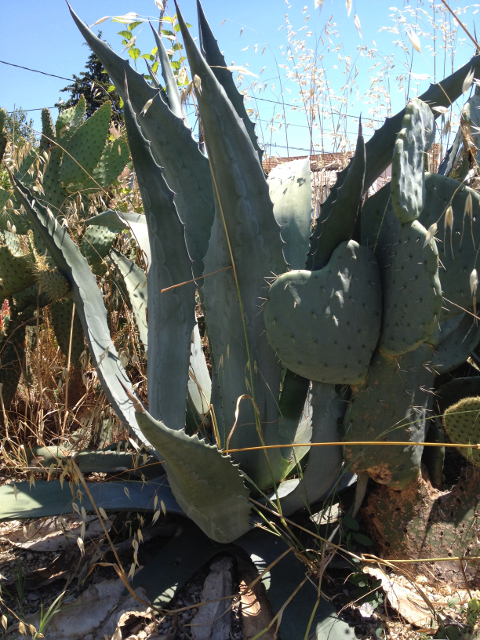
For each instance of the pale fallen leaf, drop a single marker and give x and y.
(404, 598)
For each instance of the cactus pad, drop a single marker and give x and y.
(15, 270)
(53, 283)
(412, 291)
(85, 149)
(324, 325)
(408, 173)
(111, 164)
(378, 413)
(96, 244)
(462, 424)
(457, 345)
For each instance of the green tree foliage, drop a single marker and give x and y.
(95, 85)
(18, 127)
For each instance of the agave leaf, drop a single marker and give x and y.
(186, 169)
(89, 305)
(290, 187)
(215, 60)
(135, 222)
(102, 461)
(171, 315)
(4, 197)
(282, 580)
(179, 559)
(338, 218)
(136, 283)
(291, 406)
(171, 85)
(244, 211)
(50, 499)
(206, 483)
(324, 463)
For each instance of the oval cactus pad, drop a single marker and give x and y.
(324, 325)
(462, 424)
(413, 294)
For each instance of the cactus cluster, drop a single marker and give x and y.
(351, 334)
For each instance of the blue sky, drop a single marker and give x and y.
(42, 36)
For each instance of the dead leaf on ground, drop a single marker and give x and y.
(256, 610)
(96, 612)
(404, 598)
(53, 534)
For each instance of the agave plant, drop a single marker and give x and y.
(357, 318)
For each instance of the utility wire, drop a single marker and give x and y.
(36, 71)
(287, 104)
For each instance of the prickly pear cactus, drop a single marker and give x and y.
(462, 424)
(324, 325)
(408, 173)
(391, 405)
(52, 283)
(422, 522)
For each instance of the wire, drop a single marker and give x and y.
(289, 104)
(39, 109)
(36, 71)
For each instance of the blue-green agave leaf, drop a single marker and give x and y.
(240, 351)
(290, 187)
(206, 484)
(292, 407)
(324, 463)
(186, 169)
(179, 559)
(43, 499)
(136, 283)
(135, 222)
(280, 583)
(171, 315)
(215, 60)
(338, 218)
(89, 305)
(171, 86)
